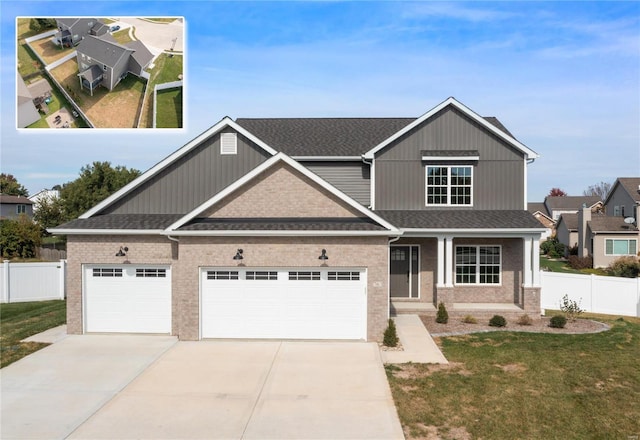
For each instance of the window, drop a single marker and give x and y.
(21, 209)
(104, 67)
(616, 211)
(620, 247)
(262, 275)
(222, 274)
(107, 272)
(478, 264)
(344, 276)
(151, 273)
(449, 185)
(228, 143)
(304, 276)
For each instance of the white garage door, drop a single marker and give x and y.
(284, 303)
(127, 299)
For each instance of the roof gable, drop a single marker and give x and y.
(573, 203)
(452, 102)
(631, 185)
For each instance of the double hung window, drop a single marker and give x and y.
(449, 185)
(478, 264)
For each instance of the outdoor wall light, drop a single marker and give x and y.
(323, 255)
(238, 255)
(122, 252)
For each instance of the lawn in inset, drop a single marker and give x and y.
(508, 385)
(21, 320)
(166, 69)
(169, 108)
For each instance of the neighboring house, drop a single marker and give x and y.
(45, 194)
(26, 113)
(312, 229)
(13, 206)
(539, 211)
(558, 205)
(613, 234)
(73, 30)
(567, 231)
(102, 62)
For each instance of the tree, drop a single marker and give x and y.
(601, 190)
(557, 192)
(49, 212)
(40, 24)
(19, 238)
(96, 182)
(10, 186)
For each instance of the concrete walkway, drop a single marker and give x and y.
(418, 344)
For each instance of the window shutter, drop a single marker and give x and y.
(228, 143)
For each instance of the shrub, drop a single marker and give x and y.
(524, 320)
(497, 321)
(628, 267)
(19, 238)
(442, 317)
(570, 308)
(573, 250)
(552, 248)
(469, 320)
(558, 321)
(390, 338)
(579, 263)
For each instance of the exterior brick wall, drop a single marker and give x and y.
(281, 192)
(352, 252)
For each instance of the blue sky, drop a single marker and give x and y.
(564, 77)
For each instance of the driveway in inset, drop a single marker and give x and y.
(253, 390)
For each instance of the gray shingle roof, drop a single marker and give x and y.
(570, 202)
(92, 73)
(123, 221)
(102, 51)
(606, 223)
(537, 206)
(454, 219)
(282, 224)
(142, 56)
(39, 88)
(328, 136)
(570, 221)
(16, 200)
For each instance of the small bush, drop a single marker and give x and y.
(628, 267)
(442, 317)
(558, 321)
(573, 250)
(469, 320)
(497, 321)
(552, 248)
(524, 320)
(390, 338)
(570, 308)
(579, 263)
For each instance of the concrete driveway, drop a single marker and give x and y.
(154, 387)
(158, 37)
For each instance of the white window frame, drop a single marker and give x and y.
(228, 143)
(628, 240)
(477, 265)
(448, 185)
(21, 209)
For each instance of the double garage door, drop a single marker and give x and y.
(283, 303)
(127, 299)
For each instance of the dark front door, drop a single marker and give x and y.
(404, 271)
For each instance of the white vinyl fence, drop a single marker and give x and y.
(20, 282)
(596, 294)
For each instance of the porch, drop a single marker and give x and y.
(480, 311)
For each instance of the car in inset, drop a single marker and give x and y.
(114, 28)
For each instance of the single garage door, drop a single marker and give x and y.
(284, 303)
(127, 299)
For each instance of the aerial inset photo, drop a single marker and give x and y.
(105, 72)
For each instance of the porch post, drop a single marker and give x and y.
(441, 257)
(536, 261)
(448, 270)
(526, 269)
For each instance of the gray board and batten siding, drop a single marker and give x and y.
(400, 172)
(351, 177)
(192, 179)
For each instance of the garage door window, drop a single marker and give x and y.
(304, 276)
(151, 273)
(107, 272)
(344, 276)
(261, 275)
(222, 274)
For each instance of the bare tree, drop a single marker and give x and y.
(599, 189)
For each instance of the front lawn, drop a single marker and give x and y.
(508, 385)
(21, 320)
(169, 108)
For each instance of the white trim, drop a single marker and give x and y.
(628, 240)
(281, 157)
(448, 261)
(327, 158)
(451, 158)
(225, 122)
(526, 200)
(228, 144)
(477, 274)
(530, 154)
(56, 231)
(449, 186)
(440, 262)
(467, 233)
(372, 184)
(267, 233)
(527, 261)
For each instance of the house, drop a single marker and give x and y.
(13, 206)
(567, 231)
(26, 112)
(558, 205)
(103, 62)
(312, 228)
(612, 234)
(539, 211)
(45, 194)
(73, 30)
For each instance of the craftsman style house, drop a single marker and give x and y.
(311, 229)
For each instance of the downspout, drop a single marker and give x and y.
(177, 246)
(371, 179)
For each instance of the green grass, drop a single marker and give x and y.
(562, 266)
(59, 101)
(28, 63)
(122, 36)
(166, 69)
(169, 108)
(510, 385)
(21, 320)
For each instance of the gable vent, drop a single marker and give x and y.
(228, 143)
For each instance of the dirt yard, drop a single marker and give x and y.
(49, 51)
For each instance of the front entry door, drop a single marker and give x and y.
(404, 266)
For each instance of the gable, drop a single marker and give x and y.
(281, 192)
